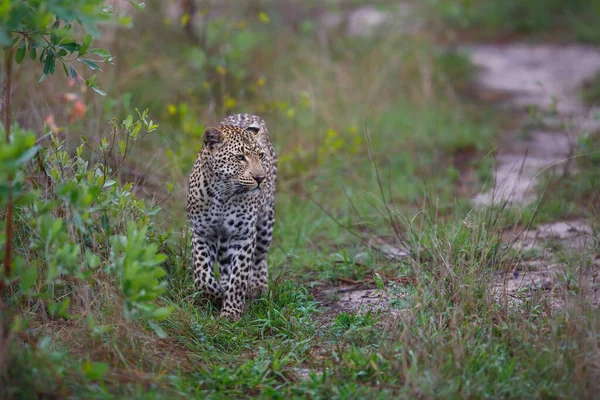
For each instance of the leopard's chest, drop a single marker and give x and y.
(233, 217)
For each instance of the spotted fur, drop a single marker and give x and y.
(230, 207)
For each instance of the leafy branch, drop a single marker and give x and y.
(44, 32)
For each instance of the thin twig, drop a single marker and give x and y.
(338, 222)
(9, 204)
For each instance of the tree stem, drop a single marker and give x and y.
(8, 56)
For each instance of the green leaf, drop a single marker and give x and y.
(87, 42)
(27, 277)
(139, 6)
(27, 198)
(91, 64)
(78, 222)
(136, 130)
(65, 69)
(100, 52)
(20, 54)
(27, 155)
(158, 330)
(70, 47)
(153, 211)
(97, 90)
(92, 81)
(125, 21)
(32, 52)
(93, 260)
(94, 371)
(128, 122)
(91, 322)
(122, 146)
(161, 313)
(49, 64)
(63, 307)
(72, 72)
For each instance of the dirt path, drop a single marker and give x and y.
(549, 78)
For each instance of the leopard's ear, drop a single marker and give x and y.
(213, 136)
(253, 129)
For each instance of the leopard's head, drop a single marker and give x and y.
(235, 157)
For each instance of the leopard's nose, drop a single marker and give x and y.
(259, 179)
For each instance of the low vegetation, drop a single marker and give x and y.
(561, 20)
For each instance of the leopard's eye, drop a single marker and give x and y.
(261, 155)
(240, 157)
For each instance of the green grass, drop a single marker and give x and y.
(550, 20)
(370, 134)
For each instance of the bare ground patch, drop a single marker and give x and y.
(543, 268)
(544, 78)
(351, 299)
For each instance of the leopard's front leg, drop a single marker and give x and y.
(204, 252)
(241, 250)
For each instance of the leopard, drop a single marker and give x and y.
(231, 212)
